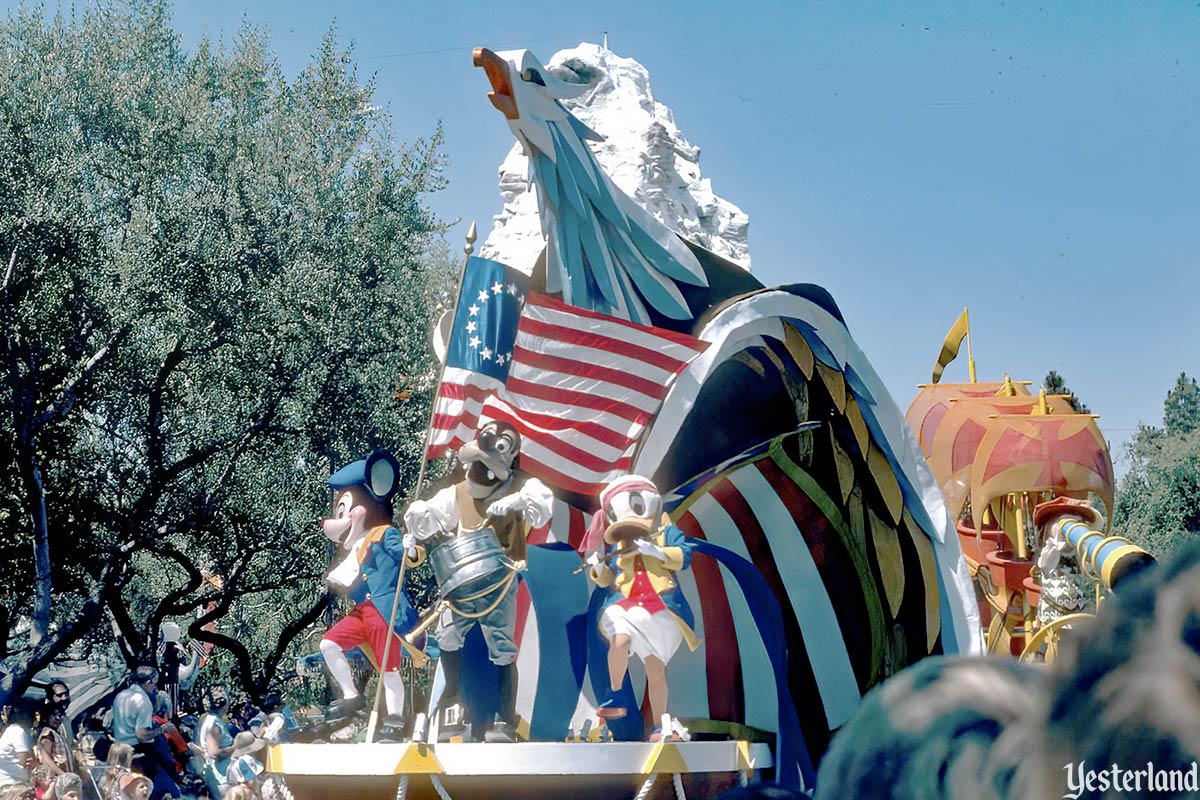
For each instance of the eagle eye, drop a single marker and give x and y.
(531, 75)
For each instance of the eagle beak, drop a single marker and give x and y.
(497, 72)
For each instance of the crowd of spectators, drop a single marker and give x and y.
(140, 749)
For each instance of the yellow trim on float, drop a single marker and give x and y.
(419, 759)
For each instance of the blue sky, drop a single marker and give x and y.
(1035, 162)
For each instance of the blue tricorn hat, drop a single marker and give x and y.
(379, 474)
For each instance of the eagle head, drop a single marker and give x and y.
(603, 251)
(526, 93)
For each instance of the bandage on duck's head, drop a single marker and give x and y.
(491, 458)
(632, 508)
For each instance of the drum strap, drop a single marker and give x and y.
(503, 585)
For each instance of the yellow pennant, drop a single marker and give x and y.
(960, 329)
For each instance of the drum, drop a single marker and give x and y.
(468, 563)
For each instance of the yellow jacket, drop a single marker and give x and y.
(661, 572)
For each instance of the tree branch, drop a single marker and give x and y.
(133, 646)
(154, 445)
(8, 273)
(170, 603)
(49, 648)
(290, 632)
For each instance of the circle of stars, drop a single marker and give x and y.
(472, 326)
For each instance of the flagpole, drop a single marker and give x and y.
(468, 249)
(373, 720)
(970, 355)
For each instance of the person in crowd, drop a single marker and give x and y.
(43, 779)
(53, 747)
(172, 748)
(133, 724)
(16, 754)
(217, 749)
(242, 713)
(17, 791)
(272, 723)
(68, 786)
(58, 695)
(244, 767)
(119, 758)
(216, 760)
(58, 699)
(136, 787)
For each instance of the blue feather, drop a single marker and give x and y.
(571, 255)
(596, 189)
(650, 287)
(547, 176)
(583, 131)
(576, 272)
(571, 194)
(602, 267)
(659, 258)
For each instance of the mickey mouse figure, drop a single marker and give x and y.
(646, 614)
(371, 551)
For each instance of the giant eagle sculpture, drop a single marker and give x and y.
(779, 447)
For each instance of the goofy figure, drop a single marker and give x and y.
(493, 497)
(646, 613)
(371, 549)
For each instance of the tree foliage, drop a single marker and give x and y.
(1181, 409)
(215, 290)
(1055, 384)
(1158, 506)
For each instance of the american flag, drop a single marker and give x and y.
(478, 351)
(581, 388)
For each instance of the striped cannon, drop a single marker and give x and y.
(1108, 559)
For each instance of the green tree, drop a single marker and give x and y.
(216, 292)
(1054, 384)
(1158, 505)
(1181, 409)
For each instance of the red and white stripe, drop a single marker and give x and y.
(456, 410)
(582, 387)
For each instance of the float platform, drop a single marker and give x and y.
(575, 770)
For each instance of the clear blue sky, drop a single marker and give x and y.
(1037, 163)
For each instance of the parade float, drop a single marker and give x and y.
(1030, 484)
(821, 558)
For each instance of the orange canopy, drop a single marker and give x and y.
(931, 404)
(962, 429)
(1057, 453)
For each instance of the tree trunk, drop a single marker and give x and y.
(35, 500)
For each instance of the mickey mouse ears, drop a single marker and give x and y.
(379, 474)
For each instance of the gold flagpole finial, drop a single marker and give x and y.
(469, 247)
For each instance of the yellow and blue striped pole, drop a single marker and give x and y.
(1108, 559)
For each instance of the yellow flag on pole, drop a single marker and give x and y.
(953, 341)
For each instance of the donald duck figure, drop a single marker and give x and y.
(646, 614)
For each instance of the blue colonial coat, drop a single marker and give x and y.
(379, 556)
